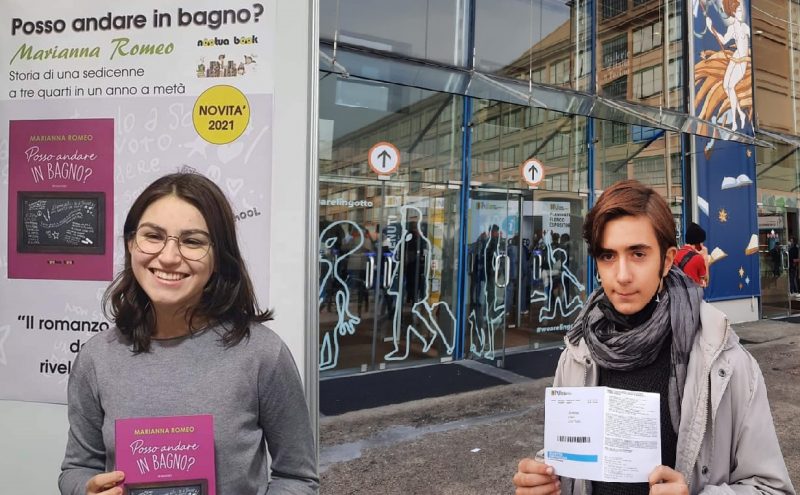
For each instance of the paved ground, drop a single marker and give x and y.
(470, 443)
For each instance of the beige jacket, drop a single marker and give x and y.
(726, 441)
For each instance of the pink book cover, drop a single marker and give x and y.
(171, 451)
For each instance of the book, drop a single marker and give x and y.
(169, 454)
(752, 246)
(732, 182)
(702, 204)
(716, 255)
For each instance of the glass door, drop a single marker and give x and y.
(773, 240)
(349, 250)
(526, 275)
(493, 226)
(415, 282)
(793, 260)
(387, 279)
(552, 268)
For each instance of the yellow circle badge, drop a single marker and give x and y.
(221, 114)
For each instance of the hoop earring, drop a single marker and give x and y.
(659, 289)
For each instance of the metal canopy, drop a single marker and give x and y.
(346, 61)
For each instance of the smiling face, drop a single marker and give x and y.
(629, 263)
(172, 282)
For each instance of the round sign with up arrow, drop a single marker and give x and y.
(532, 172)
(384, 158)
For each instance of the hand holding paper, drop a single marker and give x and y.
(669, 481)
(534, 474)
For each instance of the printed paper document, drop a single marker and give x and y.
(602, 433)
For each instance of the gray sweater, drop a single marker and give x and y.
(252, 389)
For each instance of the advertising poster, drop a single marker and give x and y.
(555, 216)
(97, 101)
(726, 180)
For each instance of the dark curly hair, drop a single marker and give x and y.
(228, 298)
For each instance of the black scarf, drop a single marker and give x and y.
(629, 343)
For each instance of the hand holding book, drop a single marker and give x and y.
(103, 482)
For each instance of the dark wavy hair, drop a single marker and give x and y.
(228, 298)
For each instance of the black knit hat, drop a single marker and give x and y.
(695, 234)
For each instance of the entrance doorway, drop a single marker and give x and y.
(526, 269)
(775, 229)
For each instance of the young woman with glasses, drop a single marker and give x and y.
(189, 340)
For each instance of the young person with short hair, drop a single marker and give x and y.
(647, 329)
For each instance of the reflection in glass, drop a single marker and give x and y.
(387, 247)
(544, 41)
(647, 154)
(633, 54)
(423, 29)
(776, 58)
(526, 264)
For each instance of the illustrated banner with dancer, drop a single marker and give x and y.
(95, 103)
(723, 94)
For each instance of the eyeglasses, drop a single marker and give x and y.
(193, 246)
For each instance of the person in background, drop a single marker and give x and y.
(793, 260)
(512, 284)
(647, 328)
(189, 339)
(692, 258)
(566, 245)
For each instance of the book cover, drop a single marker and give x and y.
(163, 453)
(60, 199)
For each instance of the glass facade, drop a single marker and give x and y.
(388, 256)
(776, 68)
(460, 253)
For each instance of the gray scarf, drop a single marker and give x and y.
(619, 349)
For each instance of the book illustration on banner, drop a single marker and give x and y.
(226, 67)
(716, 254)
(733, 182)
(752, 246)
(61, 222)
(702, 204)
(168, 455)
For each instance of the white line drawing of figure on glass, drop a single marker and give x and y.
(333, 264)
(557, 266)
(425, 314)
(477, 296)
(739, 32)
(491, 308)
